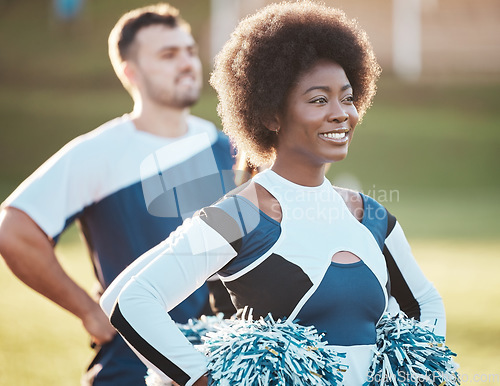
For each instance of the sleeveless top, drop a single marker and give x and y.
(286, 269)
(283, 268)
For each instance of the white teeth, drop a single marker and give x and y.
(334, 135)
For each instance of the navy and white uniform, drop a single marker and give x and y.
(283, 268)
(128, 190)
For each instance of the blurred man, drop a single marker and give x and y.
(128, 183)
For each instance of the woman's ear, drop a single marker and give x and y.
(273, 124)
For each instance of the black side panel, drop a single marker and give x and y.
(275, 286)
(399, 288)
(148, 351)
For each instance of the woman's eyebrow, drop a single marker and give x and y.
(327, 88)
(322, 88)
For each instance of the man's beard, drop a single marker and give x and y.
(171, 98)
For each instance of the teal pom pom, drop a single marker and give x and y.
(154, 379)
(195, 329)
(270, 353)
(261, 353)
(410, 354)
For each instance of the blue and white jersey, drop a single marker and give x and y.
(283, 268)
(128, 190)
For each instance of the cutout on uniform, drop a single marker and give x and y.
(345, 257)
(272, 208)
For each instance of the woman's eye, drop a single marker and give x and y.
(349, 99)
(319, 100)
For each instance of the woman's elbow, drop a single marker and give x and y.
(107, 303)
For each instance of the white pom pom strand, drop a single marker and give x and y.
(268, 352)
(261, 353)
(409, 353)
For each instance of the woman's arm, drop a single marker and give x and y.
(409, 289)
(139, 299)
(415, 294)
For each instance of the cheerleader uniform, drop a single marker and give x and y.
(283, 268)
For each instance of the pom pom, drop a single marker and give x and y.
(154, 379)
(195, 329)
(260, 353)
(268, 352)
(409, 353)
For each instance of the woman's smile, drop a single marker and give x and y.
(317, 123)
(337, 137)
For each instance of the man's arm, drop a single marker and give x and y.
(29, 253)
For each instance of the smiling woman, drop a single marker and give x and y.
(318, 123)
(251, 92)
(293, 81)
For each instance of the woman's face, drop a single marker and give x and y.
(319, 118)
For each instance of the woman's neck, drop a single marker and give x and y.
(300, 174)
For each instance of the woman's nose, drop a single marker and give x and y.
(338, 114)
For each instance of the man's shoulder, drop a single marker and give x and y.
(102, 136)
(200, 125)
(119, 126)
(220, 141)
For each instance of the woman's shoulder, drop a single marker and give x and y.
(371, 213)
(353, 201)
(245, 208)
(261, 199)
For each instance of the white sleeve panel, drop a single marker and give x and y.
(424, 292)
(160, 280)
(60, 187)
(146, 315)
(109, 297)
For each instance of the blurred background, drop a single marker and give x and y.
(428, 149)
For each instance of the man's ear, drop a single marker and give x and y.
(128, 70)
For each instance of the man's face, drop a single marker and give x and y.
(167, 69)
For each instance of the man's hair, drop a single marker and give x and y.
(122, 36)
(266, 55)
